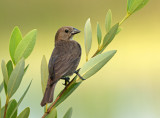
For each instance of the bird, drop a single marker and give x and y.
(63, 61)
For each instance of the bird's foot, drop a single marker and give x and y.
(47, 112)
(66, 80)
(77, 72)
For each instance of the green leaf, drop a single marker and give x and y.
(5, 88)
(5, 75)
(135, 5)
(119, 30)
(24, 113)
(52, 114)
(10, 109)
(9, 68)
(11, 105)
(1, 87)
(22, 97)
(109, 36)
(108, 20)
(26, 68)
(68, 114)
(99, 34)
(95, 64)
(2, 112)
(44, 73)
(4, 71)
(26, 46)
(16, 37)
(15, 78)
(88, 36)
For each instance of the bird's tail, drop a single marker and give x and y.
(49, 92)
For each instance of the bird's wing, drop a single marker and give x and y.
(63, 61)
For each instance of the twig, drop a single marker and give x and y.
(6, 105)
(124, 18)
(96, 53)
(52, 105)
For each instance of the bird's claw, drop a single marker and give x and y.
(77, 72)
(66, 80)
(65, 84)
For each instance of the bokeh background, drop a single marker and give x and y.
(127, 87)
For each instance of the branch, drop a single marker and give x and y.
(6, 105)
(53, 104)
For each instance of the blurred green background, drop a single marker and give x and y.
(127, 87)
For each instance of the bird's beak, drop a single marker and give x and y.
(75, 31)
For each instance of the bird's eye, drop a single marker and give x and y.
(66, 31)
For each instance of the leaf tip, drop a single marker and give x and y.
(88, 20)
(44, 57)
(35, 31)
(114, 51)
(16, 28)
(109, 10)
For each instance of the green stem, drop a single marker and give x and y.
(96, 53)
(46, 107)
(127, 15)
(53, 104)
(86, 57)
(98, 50)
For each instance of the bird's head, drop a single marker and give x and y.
(66, 33)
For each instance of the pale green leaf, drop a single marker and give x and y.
(99, 34)
(16, 37)
(4, 72)
(109, 36)
(9, 68)
(68, 114)
(24, 113)
(88, 36)
(52, 114)
(135, 5)
(44, 73)
(108, 20)
(26, 46)
(22, 97)
(1, 87)
(15, 78)
(95, 64)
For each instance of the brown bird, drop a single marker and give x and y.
(63, 61)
